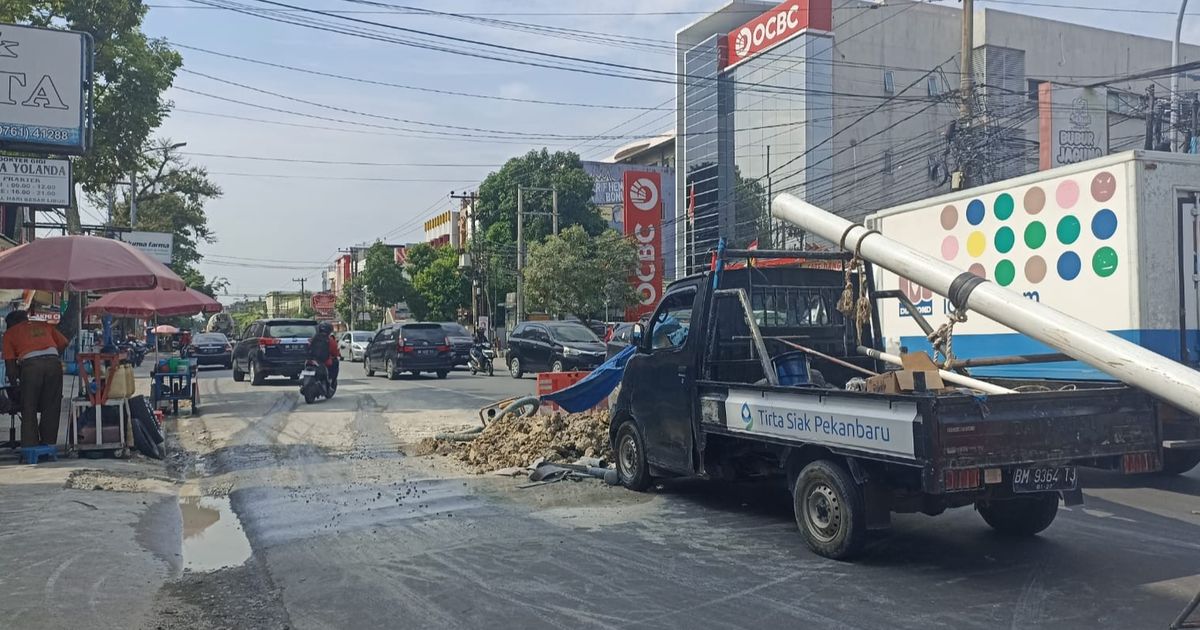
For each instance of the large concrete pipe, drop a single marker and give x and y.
(1108, 353)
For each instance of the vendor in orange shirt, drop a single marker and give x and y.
(30, 351)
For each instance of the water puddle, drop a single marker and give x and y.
(212, 534)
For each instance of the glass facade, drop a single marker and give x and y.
(759, 129)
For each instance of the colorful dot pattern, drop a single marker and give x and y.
(1028, 235)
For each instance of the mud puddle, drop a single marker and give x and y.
(213, 537)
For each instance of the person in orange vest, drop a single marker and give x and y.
(31, 358)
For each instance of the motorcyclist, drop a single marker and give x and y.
(478, 343)
(323, 349)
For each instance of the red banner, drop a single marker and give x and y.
(323, 303)
(643, 223)
(777, 26)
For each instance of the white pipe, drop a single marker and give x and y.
(949, 377)
(1108, 353)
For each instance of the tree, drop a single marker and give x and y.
(562, 170)
(419, 257)
(440, 288)
(382, 278)
(170, 198)
(576, 274)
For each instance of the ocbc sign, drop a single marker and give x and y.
(643, 223)
(777, 26)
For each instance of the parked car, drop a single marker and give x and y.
(353, 344)
(272, 347)
(618, 338)
(460, 342)
(414, 348)
(554, 347)
(210, 349)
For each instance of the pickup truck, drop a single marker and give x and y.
(713, 390)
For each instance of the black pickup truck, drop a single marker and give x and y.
(702, 396)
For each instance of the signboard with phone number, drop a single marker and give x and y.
(35, 182)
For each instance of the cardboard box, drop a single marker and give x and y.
(918, 373)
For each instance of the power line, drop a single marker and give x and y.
(340, 163)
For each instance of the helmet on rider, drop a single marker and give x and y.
(325, 328)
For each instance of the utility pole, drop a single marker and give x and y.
(301, 281)
(521, 237)
(967, 80)
(133, 200)
(1174, 134)
(468, 205)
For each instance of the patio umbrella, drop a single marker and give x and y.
(83, 263)
(165, 329)
(155, 302)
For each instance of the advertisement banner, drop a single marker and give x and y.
(1072, 125)
(35, 182)
(157, 245)
(43, 98)
(777, 26)
(324, 303)
(643, 223)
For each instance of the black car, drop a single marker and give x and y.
(554, 347)
(620, 339)
(460, 342)
(411, 348)
(270, 347)
(210, 349)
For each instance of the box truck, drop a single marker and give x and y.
(1114, 242)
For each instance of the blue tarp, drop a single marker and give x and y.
(594, 387)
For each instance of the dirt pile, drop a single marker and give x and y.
(522, 441)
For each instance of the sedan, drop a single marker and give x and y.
(353, 344)
(210, 349)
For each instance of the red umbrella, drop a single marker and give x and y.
(151, 302)
(83, 263)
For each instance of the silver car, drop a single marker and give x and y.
(353, 344)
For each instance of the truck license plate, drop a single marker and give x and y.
(1044, 479)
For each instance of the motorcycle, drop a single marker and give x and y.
(481, 359)
(135, 351)
(314, 382)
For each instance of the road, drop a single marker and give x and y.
(345, 530)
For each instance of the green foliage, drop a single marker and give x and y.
(250, 312)
(382, 279)
(343, 306)
(419, 257)
(497, 202)
(131, 74)
(440, 288)
(574, 273)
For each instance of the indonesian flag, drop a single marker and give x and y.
(753, 245)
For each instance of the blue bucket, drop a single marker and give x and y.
(792, 368)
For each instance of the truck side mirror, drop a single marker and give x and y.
(638, 333)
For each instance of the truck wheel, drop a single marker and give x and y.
(1177, 462)
(830, 510)
(1023, 516)
(632, 470)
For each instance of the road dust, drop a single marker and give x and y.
(117, 481)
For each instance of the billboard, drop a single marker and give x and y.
(45, 76)
(777, 26)
(323, 303)
(608, 195)
(156, 244)
(35, 182)
(643, 223)
(1072, 125)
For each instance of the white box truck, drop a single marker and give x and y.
(1113, 241)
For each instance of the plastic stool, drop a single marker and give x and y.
(31, 454)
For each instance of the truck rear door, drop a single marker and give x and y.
(1188, 206)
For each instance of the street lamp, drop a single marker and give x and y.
(133, 181)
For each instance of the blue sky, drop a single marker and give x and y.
(298, 221)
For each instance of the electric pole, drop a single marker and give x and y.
(301, 281)
(473, 251)
(967, 80)
(521, 238)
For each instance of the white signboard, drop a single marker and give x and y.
(43, 98)
(1073, 125)
(35, 182)
(874, 426)
(156, 244)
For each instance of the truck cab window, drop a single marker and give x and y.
(670, 324)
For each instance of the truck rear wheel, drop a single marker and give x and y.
(1024, 516)
(632, 470)
(830, 510)
(1177, 462)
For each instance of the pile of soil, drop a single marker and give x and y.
(515, 441)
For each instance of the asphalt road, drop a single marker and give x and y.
(347, 531)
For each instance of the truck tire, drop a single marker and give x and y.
(1177, 462)
(830, 510)
(632, 470)
(1024, 516)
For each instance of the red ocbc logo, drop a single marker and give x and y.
(643, 223)
(778, 25)
(765, 32)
